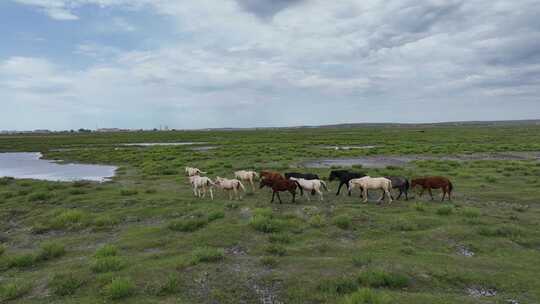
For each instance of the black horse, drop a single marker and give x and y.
(400, 183)
(308, 176)
(344, 176)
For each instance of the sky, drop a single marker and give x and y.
(189, 64)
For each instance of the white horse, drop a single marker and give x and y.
(365, 183)
(203, 183)
(247, 176)
(193, 171)
(229, 185)
(311, 185)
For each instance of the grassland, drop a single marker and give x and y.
(144, 238)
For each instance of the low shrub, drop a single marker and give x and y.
(317, 221)
(420, 207)
(105, 221)
(41, 196)
(280, 238)
(266, 224)
(500, 231)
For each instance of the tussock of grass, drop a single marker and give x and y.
(65, 284)
(188, 225)
(14, 290)
(207, 255)
(420, 207)
(361, 260)
(379, 278)
(215, 215)
(22, 260)
(171, 285)
(445, 210)
(41, 196)
(119, 288)
(317, 221)
(266, 224)
(276, 249)
(500, 231)
(343, 221)
(107, 264)
(126, 192)
(51, 250)
(269, 261)
(366, 296)
(338, 286)
(470, 212)
(106, 251)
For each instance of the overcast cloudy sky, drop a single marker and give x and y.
(243, 63)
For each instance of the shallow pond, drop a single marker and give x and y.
(30, 165)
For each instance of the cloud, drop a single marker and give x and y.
(241, 62)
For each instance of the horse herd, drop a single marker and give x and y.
(312, 183)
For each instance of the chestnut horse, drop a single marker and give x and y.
(280, 185)
(433, 182)
(271, 175)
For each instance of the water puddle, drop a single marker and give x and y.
(29, 165)
(384, 161)
(162, 144)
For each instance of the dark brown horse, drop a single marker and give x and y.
(434, 182)
(280, 185)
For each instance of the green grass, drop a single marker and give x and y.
(207, 255)
(65, 284)
(144, 237)
(119, 288)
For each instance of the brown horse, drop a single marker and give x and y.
(271, 175)
(280, 185)
(434, 182)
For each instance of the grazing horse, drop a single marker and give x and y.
(193, 171)
(311, 185)
(229, 185)
(201, 182)
(433, 182)
(307, 176)
(247, 176)
(271, 175)
(400, 183)
(365, 183)
(280, 185)
(344, 176)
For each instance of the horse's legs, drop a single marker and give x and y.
(422, 192)
(365, 194)
(320, 194)
(273, 195)
(443, 194)
(211, 193)
(294, 195)
(406, 195)
(400, 192)
(306, 194)
(279, 197)
(339, 188)
(430, 194)
(389, 196)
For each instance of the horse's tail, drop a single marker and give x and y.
(299, 186)
(324, 186)
(241, 186)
